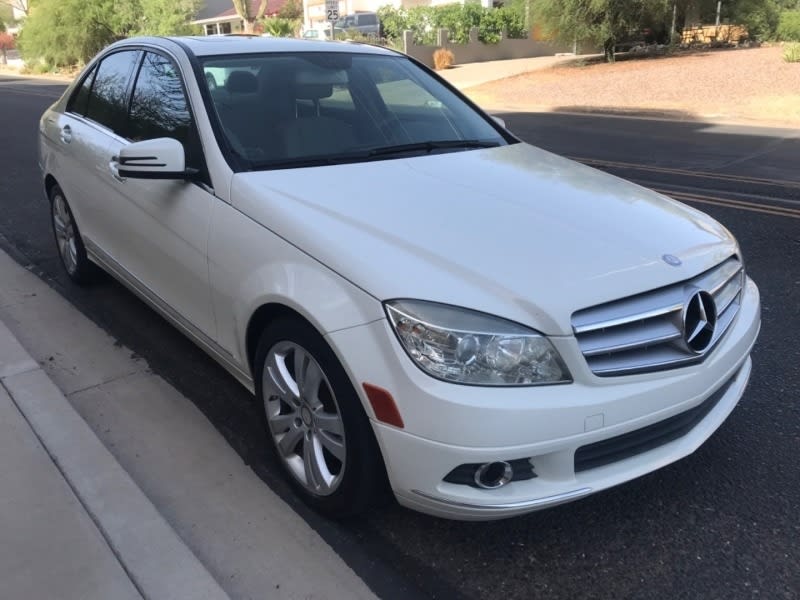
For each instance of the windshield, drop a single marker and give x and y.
(285, 110)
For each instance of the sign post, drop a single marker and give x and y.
(332, 12)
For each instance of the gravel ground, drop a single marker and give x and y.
(733, 84)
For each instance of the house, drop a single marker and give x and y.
(218, 17)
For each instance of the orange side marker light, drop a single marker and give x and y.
(383, 405)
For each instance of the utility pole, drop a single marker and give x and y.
(719, 8)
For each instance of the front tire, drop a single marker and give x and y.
(69, 243)
(312, 414)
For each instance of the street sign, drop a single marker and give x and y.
(332, 10)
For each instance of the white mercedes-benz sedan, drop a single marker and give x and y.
(414, 295)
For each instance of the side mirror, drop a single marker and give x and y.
(499, 121)
(161, 158)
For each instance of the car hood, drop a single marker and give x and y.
(513, 231)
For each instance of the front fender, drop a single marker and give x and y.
(250, 266)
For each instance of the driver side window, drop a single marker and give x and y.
(159, 108)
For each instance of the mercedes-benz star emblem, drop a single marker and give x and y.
(699, 321)
(671, 260)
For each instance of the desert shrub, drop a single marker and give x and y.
(281, 27)
(791, 53)
(443, 59)
(789, 26)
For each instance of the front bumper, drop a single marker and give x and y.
(447, 425)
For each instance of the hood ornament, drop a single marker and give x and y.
(671, 260)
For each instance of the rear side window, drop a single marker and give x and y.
(79, 101)
(108, 99)
(367, 20)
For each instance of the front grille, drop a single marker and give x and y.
(644, 333)
(632, 443)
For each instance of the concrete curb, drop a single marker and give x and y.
(137, 534)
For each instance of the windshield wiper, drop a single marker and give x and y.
(430, 146)
(375, 153)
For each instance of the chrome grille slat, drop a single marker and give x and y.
(628, 338)
(727, 294)
(643, 333)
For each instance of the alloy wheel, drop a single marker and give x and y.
(65, 234)
(304, 418)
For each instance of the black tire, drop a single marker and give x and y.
(69, 243)
(362, 476)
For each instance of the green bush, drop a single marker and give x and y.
(458, 19)
(281, 27)
(789, 26)
(63, 33)
(791, 53)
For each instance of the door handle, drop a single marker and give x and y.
(66, 134)
(113, 166)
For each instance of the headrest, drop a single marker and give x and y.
(241, 82)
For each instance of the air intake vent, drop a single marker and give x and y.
(635, 442)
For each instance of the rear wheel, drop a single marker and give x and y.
(312, 414)
(68, 240)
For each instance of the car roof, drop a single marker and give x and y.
(214, 45)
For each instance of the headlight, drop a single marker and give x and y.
(465, 346)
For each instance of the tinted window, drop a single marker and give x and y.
(287, 107)
(108, 100)
(80, 97)
(367, 20)
(158, 107)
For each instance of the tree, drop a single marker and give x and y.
(63, 33)
(250, 13)
(605, 22)
(293, 9)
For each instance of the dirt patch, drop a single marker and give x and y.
(753, 84)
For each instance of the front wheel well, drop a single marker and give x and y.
(49, 183)
(258, 322)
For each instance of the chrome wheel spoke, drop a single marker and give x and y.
(332, 444)
(278, 381)
(315, 467)
(329, 423)
(281, 423)
(312, 380)
(288, 442)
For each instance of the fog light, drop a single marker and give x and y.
(493, 475)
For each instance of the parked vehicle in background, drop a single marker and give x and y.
(498, 330)
(366, 23)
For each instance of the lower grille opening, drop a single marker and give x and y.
(636, 442)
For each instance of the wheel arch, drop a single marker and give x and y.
(49, 183)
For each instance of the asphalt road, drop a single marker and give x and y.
(722, 523)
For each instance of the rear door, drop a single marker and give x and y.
(95, 114)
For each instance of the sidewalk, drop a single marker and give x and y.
(474, 74)
(72, 522)
(114, 486)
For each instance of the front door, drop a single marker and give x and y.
(163, 225)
